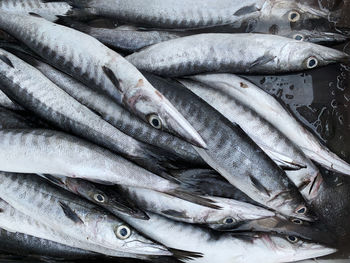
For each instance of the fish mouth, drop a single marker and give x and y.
(147, 248)
(176, 124)
(327, 37)
(313, 251)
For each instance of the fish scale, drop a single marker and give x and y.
(260, 178)
(44, 202)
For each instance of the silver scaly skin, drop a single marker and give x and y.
(271, 110)
(53, 152)
(234, 155)
(169, 14)
(74, 217)
(12, 120)
(29, 87)
(22, 244)
(232, 212)
(118, 116)
(234, 53)
(7, 103)
(227, 248)
(101, 68)
(277, 146)
(48, 10)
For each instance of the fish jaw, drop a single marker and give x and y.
(285, 251)
(147, 104)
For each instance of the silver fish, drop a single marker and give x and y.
(74, 217)
(7, 103)
(227, 248)
(232, 212)
(170, 14)
(12, 120)
(121, 119)
(99, 67)
(270, 109)
(234, 53)
(234, 155)
(48, 10)
(22, 244)
(29, 87)
(277, 146)
(13, 220)
(126, 37)
(100, 195)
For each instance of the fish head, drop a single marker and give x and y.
(130, 240)
(155, 109)
(293, 13)
(292, 248)
(299, 55)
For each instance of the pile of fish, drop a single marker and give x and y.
(125, 133)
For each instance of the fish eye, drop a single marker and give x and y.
(292, 239)
(297, 221)
(99, 198)
(301, 210)
(298, 37)
(122, 232)
(155, 121)
(293, 16)
(311, 62)
(229, 220)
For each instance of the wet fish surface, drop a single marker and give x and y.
(229, 53)
(234, 155)
(99, 67)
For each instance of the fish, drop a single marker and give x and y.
(234, 155)
(72, 216)
(302, 172)
(182, 152)
(48, 10)
(270, 109)
(227, 247)
(43, 151)
(101, 195)
(13, 120)
(126, 38)
(277, 224)
(7, 103)
(14, 221)
(233, 53)
(232, 212)
(101, 68)
(22, 244)
(168, 14)
(317, 37)
(31, 89)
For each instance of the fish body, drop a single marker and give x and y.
(232, 212)
(48, 10)
(122, 119)
(270, 109)
(74, 217)
(101, 68)
(12, 120)
(7, 103)
(233, 154)
(277, 146)
(233, 53)
(29, 87)
(226, 248)
(126, 38)
(52, 152)
(168, 14)
(22, 244)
